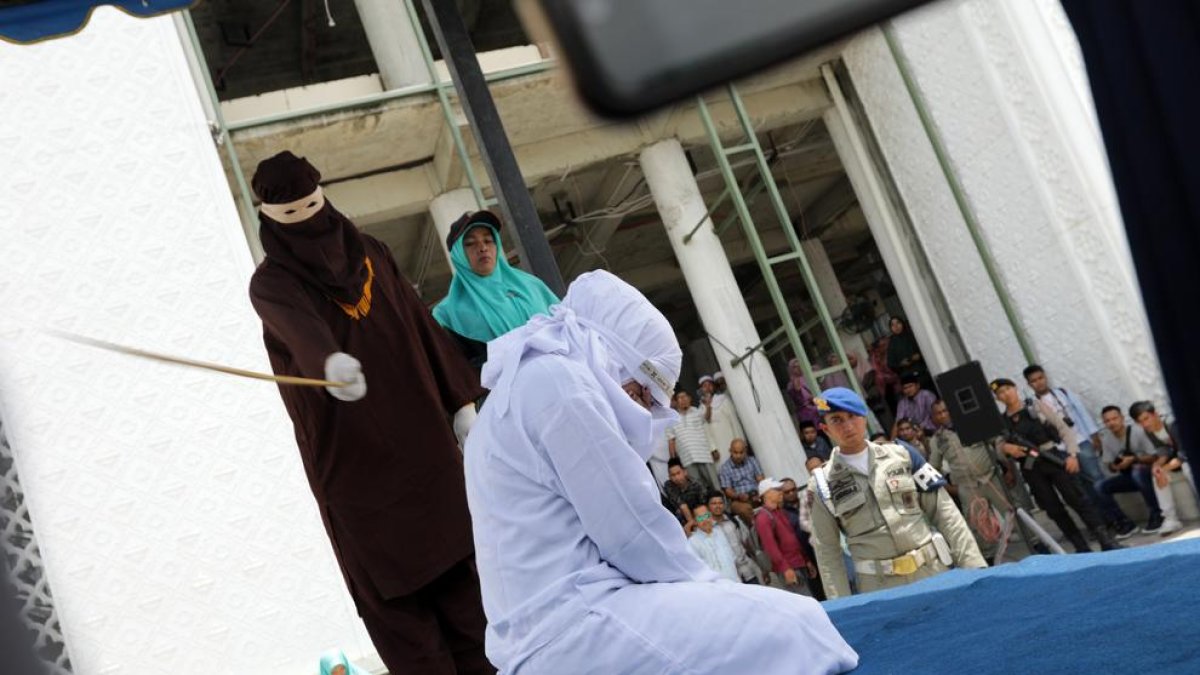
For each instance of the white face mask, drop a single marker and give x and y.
(642, 437)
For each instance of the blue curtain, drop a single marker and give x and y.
(1142, 57)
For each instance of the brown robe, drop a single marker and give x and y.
(386, 470)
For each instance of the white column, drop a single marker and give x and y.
(831, 290)
(393, 43)
(447, 208)
(723, 311)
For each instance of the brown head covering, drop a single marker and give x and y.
(325, 250)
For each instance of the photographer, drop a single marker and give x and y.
(1034, 438)
(1083, 427)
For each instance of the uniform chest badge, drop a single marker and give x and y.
(846, 495)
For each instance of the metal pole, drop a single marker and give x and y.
(743, 211)
(956, 188)
(377, 99)
(810, 281)
(447, 110)
(516, 205)
(246, 202)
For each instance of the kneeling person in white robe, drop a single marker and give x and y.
(582, 569)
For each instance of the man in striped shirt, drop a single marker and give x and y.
(688, 440)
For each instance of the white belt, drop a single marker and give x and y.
(903, 565)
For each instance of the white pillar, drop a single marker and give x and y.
(831, 291)
(723, 311)
(447, 208)
(393, 43)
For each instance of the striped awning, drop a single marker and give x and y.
(27, 21)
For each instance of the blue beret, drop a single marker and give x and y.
(840, 399)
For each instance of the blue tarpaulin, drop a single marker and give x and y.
(36, 20)
(1131, 611)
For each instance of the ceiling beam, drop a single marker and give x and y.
(383, 196)
(836, 200)
(592, 237)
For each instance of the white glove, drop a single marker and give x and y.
(341, 367)
(464, 419)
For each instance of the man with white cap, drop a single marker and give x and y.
(886, 501)
(582, 570)
(779, 538)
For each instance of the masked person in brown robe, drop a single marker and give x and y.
(380, 454)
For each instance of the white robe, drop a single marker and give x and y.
(581, 568)
(723, 426)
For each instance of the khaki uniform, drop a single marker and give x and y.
(886, 521)
(974, 472)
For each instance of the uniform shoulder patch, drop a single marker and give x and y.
(928, 478)
(924, 475)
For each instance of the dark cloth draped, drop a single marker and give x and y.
(386, 471)
(1142, 59)
(901, 347)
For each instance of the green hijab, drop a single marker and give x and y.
(334, 658)
(484, 308)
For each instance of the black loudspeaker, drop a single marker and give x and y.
(969, 399)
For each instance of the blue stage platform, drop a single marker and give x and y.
(1130, 611)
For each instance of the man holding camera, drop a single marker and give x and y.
(1035, 438)
(1083, 427)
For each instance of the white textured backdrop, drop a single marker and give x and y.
(1005, 86)
(177, 529)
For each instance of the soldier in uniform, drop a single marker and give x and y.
(974, 471)
(886, 501)
(1035, 438)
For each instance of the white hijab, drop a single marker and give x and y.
(613, 329)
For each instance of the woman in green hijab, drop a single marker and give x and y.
(488, 297)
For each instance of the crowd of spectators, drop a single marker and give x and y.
(752, 528)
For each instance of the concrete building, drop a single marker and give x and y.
(947, 167)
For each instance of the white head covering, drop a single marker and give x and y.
(608, 325)
(705, 378)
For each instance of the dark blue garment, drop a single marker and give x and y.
(1089, 613)
(1140, 479)
(34, 21)
(1138, 54)
(818, 450)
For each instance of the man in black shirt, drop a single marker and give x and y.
(816, 446)
(1035, 435)
(681, 494)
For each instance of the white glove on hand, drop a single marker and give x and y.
(464, 419)
(341, 367)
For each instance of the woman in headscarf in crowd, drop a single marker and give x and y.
(803, 406)
(884, 380)
(382, 461)
(582, 570)
(903, 353)
(488, 297)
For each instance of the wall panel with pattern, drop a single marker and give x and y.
(1006, 89)
(174, 521)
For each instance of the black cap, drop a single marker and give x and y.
(460, 226)
(910, 378)
(1002, 382)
